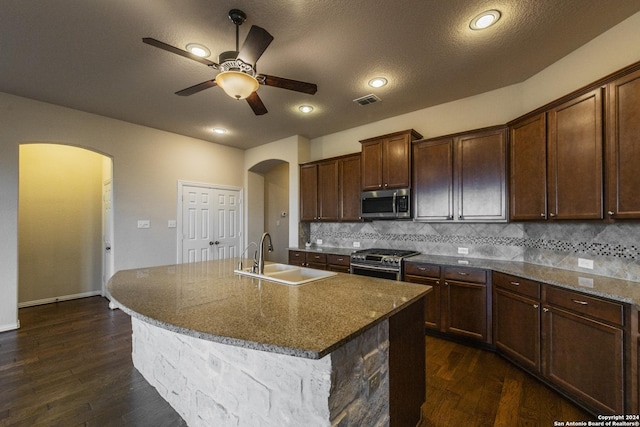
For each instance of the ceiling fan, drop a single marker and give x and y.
(238, 76)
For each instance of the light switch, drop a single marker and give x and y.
(144, 223)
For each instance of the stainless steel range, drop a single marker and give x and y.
(384, 263)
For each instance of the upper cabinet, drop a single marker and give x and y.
(623, 147)
(462, 177)
(557, 162)
(330, 189)
(386, 160)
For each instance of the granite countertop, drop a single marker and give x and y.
(208, 300)
(324, 249)
(616, 289)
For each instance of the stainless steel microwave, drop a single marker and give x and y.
(386, 204)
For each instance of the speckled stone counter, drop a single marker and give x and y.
(607, 287)
(324, 250)
(209, 301)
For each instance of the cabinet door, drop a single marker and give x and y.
(528, 169)
(516, 328)
(465, 306)
(432, 313)
(308, 192)
(372, 165)
(575, 158)
(396, 162)
(350, 189)
(481, 176)
(623, 149)
(328, 191)
(585, 358)
(433, 180)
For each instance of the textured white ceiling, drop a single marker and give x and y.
(88, 55)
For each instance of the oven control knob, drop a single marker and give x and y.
(397, 261)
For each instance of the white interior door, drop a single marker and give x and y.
(210, 223)
(107, 236)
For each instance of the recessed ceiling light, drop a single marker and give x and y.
(378, 82)
(219, 131)
(306, 109)
(485, 20)
(198, 50)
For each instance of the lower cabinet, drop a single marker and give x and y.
(570, 340)
(457, 305)
(320, 261)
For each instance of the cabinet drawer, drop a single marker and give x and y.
(422, 269)
(297, 257)
(338, 259)
(465, 274)
(608, 311)
(517, 285)
(316, 258)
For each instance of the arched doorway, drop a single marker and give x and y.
(268, 210)
(64, 223)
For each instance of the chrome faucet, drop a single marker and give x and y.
(244, 252)
(261, 252)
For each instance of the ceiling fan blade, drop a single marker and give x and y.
(256, 104)
(197, 88)
(173, 49)
(283, 83)
(254, 45)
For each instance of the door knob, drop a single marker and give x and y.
(214, 243)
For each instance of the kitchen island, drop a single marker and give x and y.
(225, 349)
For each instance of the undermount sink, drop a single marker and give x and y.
(287, 274)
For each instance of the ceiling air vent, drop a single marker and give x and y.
(367, 99)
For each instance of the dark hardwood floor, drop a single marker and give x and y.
(70, 365)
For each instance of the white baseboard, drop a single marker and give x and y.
(10, 327)
(58, 299)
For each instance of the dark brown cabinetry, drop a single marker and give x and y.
(528, 169)
(516, 319)
(320, 261)
(458, 304)
(330, 189)
(584, 348)
(461, 177)
(386, 160)
(623, 147)
(575, 156)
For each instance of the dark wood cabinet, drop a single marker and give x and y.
(528, 169)
(516, 320)
(330, 189)
(459, 302)
(339, 263)
(349, 188)
(433, 180)
(386, 160)
(427, 274)
(623, 147)
(461, 177)
(583, 346)
(321, 261)
(575, 158)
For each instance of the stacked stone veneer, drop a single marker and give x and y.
(212, 384)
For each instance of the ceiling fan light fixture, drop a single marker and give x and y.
(485, 20)
(237, 84)
(378, 82)
(198, 50)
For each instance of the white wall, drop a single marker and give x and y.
(147, 163)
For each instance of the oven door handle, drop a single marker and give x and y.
(372, 267)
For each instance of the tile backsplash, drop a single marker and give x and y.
(614, 248)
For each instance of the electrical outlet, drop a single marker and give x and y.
(585, 263)
(463, 251)
(356, 244)
(172, 223)
(374, 382)
(144, 223)
(319, 241)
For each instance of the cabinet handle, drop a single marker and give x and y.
(552, 214)
(462, 273)
(450, 218)
(545, 309)
(340, 259)
(446, 283)
(611, 213)
(535, 305)
(515, 283)
(422, 269)
(437, 282)
(577, 301)
(543, 215)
